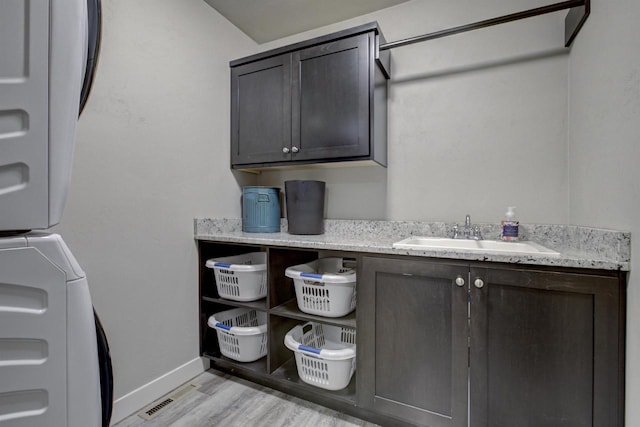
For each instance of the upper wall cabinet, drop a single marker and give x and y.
(319, 101)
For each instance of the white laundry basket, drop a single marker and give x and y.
(325, 354)
(325, 287)
(241, 277)
(242, 333)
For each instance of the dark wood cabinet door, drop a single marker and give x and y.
(545, 349)
(412, 340)
(331, 98)
(261, 111)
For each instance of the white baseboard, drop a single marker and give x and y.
(142, 396)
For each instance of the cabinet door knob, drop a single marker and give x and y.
(459, 281)
(479, 283)
(285, 150)
(294, 149)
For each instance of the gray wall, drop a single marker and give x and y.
(152, 154)
(604, 137)
(477, 122)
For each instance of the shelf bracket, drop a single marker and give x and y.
(578, 13)
(576, 17)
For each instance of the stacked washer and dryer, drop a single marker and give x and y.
(55, 369)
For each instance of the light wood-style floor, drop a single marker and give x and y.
(226, 401)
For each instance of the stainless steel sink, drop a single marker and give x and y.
(487, 246)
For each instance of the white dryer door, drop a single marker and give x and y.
(43, 47)
(33, 340)
(24, 115)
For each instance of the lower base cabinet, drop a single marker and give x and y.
(447, 343)
(278, 369)
(490, 346)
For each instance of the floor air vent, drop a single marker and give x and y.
(165, 402)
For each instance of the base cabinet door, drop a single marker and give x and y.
(545, 349)
(412, 340)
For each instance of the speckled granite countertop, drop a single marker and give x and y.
(580, 247)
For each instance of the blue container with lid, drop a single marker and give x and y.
(261, 209)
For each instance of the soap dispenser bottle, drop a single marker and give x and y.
(510, 225)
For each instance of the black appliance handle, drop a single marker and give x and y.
(106, 372)
(94, 36)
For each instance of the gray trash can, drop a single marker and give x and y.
(305, 206)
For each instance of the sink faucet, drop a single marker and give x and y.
(468, 232)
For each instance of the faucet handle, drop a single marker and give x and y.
(477, 233)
